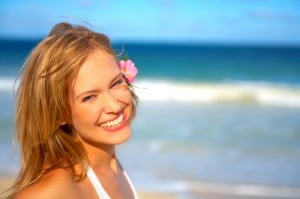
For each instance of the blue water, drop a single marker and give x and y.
(207, 114)
(217, 62)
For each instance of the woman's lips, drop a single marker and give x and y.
(115, 124)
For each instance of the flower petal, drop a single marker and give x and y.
(128, 69)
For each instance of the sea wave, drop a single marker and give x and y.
(264, 93)
(6, 84)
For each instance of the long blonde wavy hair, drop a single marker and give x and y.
(43, 127)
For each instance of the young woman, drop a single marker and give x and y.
(74, 105)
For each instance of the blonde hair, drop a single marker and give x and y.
(43, 132)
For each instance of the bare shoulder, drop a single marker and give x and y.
(58, 183)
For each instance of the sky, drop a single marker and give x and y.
(226, 21)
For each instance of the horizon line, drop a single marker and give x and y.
(178, 42)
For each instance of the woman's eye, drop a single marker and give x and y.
(88, 98)
(120, 81)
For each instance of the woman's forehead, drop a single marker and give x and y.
(97, 71)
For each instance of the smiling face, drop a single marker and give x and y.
(101, 101)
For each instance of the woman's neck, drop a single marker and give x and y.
(102, 157)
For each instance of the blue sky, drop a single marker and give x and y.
(229, 21)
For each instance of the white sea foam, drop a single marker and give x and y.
(243, 92)
(6, 84)
(236, 92)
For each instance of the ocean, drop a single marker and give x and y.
(211, 117)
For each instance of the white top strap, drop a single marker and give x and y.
(97, 184)
(131, 185)
(99, 188)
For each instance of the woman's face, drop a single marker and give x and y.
(101, 102)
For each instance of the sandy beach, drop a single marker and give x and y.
(205, 192)
(5, 182)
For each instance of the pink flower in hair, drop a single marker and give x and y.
(128, 69)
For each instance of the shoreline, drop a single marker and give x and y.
(201, 190)
(5, 183)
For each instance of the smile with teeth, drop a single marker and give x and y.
(113, 123)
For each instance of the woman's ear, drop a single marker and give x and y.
(63, 123)
(65, 127)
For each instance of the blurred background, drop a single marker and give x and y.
(219, 88)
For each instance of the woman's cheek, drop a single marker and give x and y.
(122, 94)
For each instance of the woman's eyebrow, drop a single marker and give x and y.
(97, 90)
(115, 78)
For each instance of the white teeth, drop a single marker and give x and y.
(113, 123)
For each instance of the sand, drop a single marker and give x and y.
(5, 182)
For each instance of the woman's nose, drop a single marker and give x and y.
(111, 103)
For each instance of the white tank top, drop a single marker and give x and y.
(99, 188)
